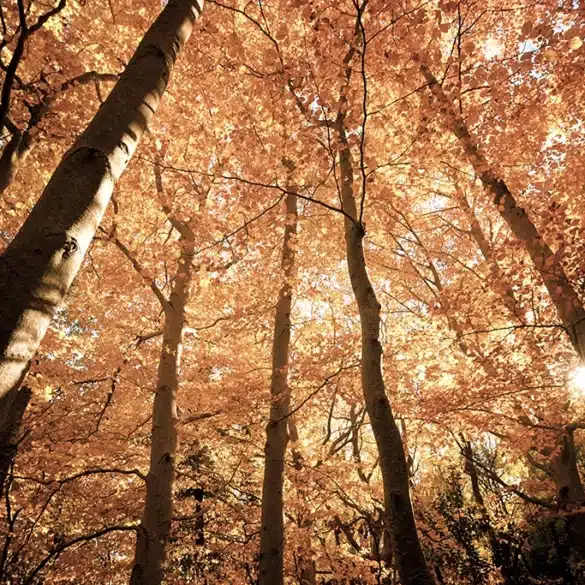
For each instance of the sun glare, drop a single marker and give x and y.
(492, 48)
(579, 378)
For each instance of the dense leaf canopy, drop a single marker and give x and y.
(441, 105)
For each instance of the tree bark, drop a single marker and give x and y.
(562, 293)
(306, 566)
(502, 552)
(13, 66)
(155, 526)
(154, 529)
(410, 561)
(22, 142)
(565, 471)
(39, 265)
(25, 32)
(272, 532)
(13, 156)
(12, 408)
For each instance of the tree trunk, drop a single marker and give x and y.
(500, 283)
(200, 521)
(561, 291)
(307, 568)
(272, 532)
(14, 156)
(502, 551)
(410, 561)
(565, 471)
(570, 492)
(12, 408)
(470, 469)
(308, 571)
(21, 143)
(155, 527)
(39, 265)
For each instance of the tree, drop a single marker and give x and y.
(42, 260)
(155, 526)
(561, 291)
(468, 354)
(272, 531)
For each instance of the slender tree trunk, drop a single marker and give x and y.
(200, 521)
(12, 67)
(410, 561)
(39, 265)
(156, 520)
(25, 31)
(500, 282)
(13, 157)
(155, 527)
(12, 408)
(501, 551)
(562, 293)
(307, 568)
(470, 469)
(272, 532)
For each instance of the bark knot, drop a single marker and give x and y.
(69, 247)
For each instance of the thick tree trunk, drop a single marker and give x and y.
(155, 527)
(22, 142)
(565, 471)
(272, 531)
(409, 558)
(562, 293)
(39, 265)
(12, 408)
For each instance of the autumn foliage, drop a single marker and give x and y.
(330, 329)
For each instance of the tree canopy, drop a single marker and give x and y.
(330, 329)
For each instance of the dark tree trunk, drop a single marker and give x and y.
(12, 408)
